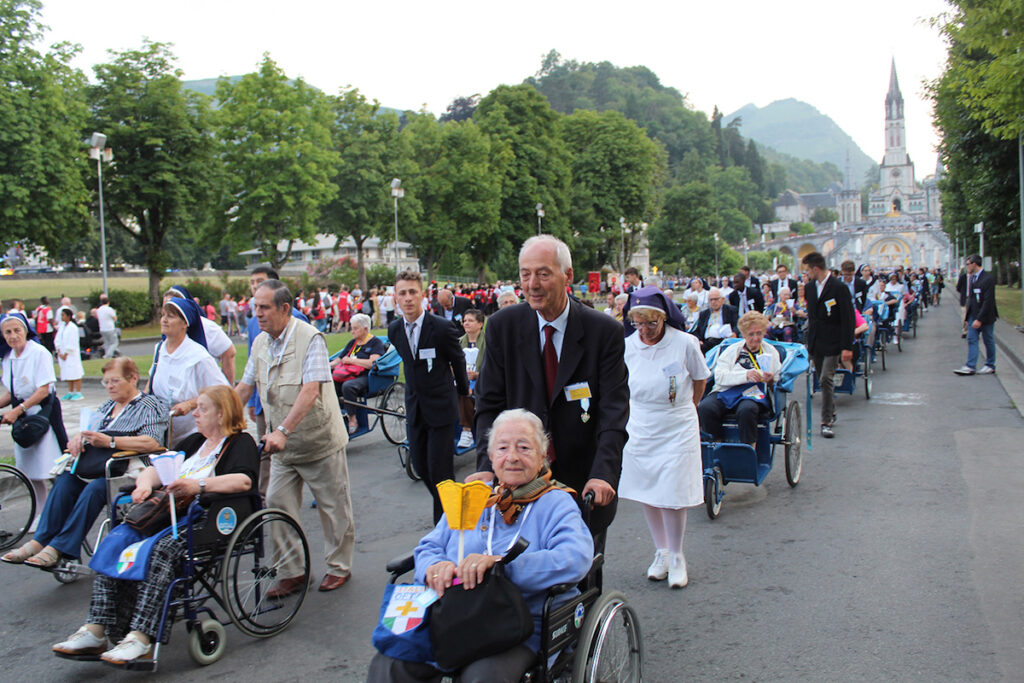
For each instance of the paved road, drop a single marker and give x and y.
(897, 557)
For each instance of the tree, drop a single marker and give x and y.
(43, 196)
(164, 176)
(987, 62)
(369, 153)
(460, 200)
(823, 214)
(801, 228)
(533, 163)
(276, 147)
(617, 174)
(461, 108)
(683, 237)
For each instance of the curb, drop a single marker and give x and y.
(1012, 381)
(1004, 331)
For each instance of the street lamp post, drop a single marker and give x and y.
(396, 193)
(540, 215)
(100, 153)
(622, 241)
(746, 253)
(717, 279)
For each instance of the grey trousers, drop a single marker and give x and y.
(825, 368)
(110, 343)
(328, 479)
(507, 667)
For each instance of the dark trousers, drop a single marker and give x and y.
(825, 368)
(432, 450)
(71, 507)
(353, 389)
(506, 667)
(712, 413)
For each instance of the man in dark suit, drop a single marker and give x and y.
(744, 298)
(435, 369)
(563, 362)
(750, 280)
(451, 308)
(857, 287)
(829, 333)
(980, 316)
(717, 313)
(784, 281)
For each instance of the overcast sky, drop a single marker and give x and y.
(405, 54)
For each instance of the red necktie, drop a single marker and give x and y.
(550, 360)
(550, 371)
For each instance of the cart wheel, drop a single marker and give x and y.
(883, 355)
(206, 642)
(265, 548)
(713, 493)
(794, 443)
(17, 506)
(406, 457)
(899, 338)
(915, 327)
(867, 383)
(609, 647)
(393, 401)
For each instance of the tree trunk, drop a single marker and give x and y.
(360, 266)
(155, 276)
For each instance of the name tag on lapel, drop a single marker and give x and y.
(428, 354)
(672, 369)
(578, 391)
(828, 306)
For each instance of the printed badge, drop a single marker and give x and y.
(227, 520)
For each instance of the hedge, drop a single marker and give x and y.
(133, 308)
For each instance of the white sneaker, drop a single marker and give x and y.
(677, 576)
(987, 370)
(81, 642)
(128, 650)
(658, 571)
(466, 440)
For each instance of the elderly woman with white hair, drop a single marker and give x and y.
(743, 374)
(350, 368)
(781, 314)
(661, 463)
(526, 503)
(507, 298)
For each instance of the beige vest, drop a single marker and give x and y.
(322, 432)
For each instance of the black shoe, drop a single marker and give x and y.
(826, 431)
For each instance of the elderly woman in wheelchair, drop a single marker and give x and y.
(742, 376)
(130, 420)
(221, 459)
(526, 503)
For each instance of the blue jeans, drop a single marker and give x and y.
(972, 344)
(69, 512)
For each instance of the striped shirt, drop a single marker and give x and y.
(145, 415)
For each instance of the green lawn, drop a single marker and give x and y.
(57, 286)
(1008, 303)
(335, 342)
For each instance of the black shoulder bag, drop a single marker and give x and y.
(28, 430)
(467, 625)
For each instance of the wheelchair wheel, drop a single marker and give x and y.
(405, 457)
(881, 350)
(914, 326)
(393, 401)
(867, 380)
(206, 642)
(253, 565)
(17, 506)
(713, 493)
(899, 337)
(66, 571)
(794, 442)
(609, 647)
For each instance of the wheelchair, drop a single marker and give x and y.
(845, 381)
(593, 637)
(732, 461)
(384, 385)
(228, 562)
(17, 506)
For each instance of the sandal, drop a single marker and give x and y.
(45, 559)
(21, 554)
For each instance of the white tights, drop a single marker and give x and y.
(667, 527)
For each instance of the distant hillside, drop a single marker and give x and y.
(803, 175)
(207, 86)
(798, 129)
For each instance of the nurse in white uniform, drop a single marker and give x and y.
(661, 463)
(29, 381)
(69, 354)
(182, 365)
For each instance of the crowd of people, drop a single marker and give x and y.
(561, 399)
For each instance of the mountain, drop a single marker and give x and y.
(798, 129)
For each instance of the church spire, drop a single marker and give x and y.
(894, 98)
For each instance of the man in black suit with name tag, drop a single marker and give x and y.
(435, 369)
(564, 362)
(980, 316)
(829, 332)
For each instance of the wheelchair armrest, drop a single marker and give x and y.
(401, 564)
(207, 499)
(560, 588)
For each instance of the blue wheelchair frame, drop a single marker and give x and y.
(382, 377)
(730, 460)
(845, 381)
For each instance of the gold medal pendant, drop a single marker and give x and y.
(585, 417)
